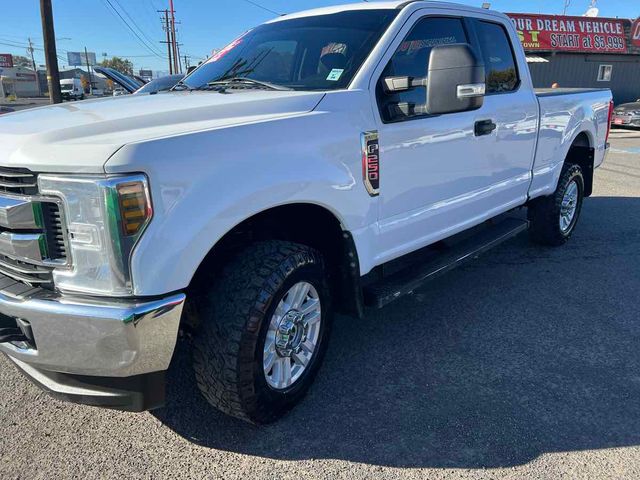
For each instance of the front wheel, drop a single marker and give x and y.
(265, 329)
(554, 218)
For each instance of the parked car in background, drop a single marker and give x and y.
(71, 89)
(163, 84)
(127, 84)
(123, 82)
(627, 115)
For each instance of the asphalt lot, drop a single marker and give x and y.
(524, 364)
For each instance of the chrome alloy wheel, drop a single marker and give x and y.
(292, 337)
(569, 206)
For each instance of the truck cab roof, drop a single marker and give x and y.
(388, 5)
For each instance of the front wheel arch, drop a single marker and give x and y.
(316, 227)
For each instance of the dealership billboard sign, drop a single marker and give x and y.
(570, 34)
(6, 60)
(635, 33)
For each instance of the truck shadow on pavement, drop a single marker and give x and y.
(526, 351)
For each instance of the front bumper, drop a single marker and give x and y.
(92, 349)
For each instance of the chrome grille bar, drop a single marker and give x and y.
(19, 214)
(27, 246)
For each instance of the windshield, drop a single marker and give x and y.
(311, 53)
(66, 86)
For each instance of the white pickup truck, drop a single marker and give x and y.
(326, 161)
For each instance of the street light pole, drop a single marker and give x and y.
(51, 56)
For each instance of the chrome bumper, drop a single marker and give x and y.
(94, 338)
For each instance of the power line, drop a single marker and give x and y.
(263, 7)
(142, 42)
(152, 42)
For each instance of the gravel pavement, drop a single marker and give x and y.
(524, 364)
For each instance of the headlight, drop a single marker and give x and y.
(105, 217)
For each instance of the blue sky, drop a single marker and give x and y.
(206, 24)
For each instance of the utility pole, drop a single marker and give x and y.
(35, 67)
(176, 58)
(186, 63)
(179, 57)
(86, 57)
(51, 56)
(165, 19)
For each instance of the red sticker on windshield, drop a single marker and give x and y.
(221, 53)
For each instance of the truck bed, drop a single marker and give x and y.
(553, 92)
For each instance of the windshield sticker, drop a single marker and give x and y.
(335, 74)
(221, 53)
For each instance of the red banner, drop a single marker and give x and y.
(6, 60)
(635, 33)
(570, 34)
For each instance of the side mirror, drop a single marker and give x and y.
(455, 80)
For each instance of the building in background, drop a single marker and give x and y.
(18, 81)
(99, 83)
(582, 52)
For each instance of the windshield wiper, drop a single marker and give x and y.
(180, 86)
(242, 82)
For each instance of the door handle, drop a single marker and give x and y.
(484, 127)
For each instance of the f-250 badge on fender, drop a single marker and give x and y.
(371, 162)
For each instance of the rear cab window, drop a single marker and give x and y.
(499, 59)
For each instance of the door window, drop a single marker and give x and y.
(412, 59)
(499, 62)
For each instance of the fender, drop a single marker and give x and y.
(205, 183)
(560, 124)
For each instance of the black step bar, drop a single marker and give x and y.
(406, 281)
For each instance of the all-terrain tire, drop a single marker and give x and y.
(228, 349)
(544, 213)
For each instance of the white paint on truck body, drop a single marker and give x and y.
(213, 160)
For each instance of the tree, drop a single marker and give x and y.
(20, 61)
(120, 64)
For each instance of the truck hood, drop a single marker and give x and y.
(81, 136)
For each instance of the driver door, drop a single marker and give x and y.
(440, 174)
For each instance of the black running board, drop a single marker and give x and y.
(401, 283)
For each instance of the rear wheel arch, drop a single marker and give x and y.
(582, 153)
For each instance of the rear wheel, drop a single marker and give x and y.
(265, 329)
(554, 218)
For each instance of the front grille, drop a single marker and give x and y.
(18, 277)
(55, 231)
(18, 181)
(25, 272)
